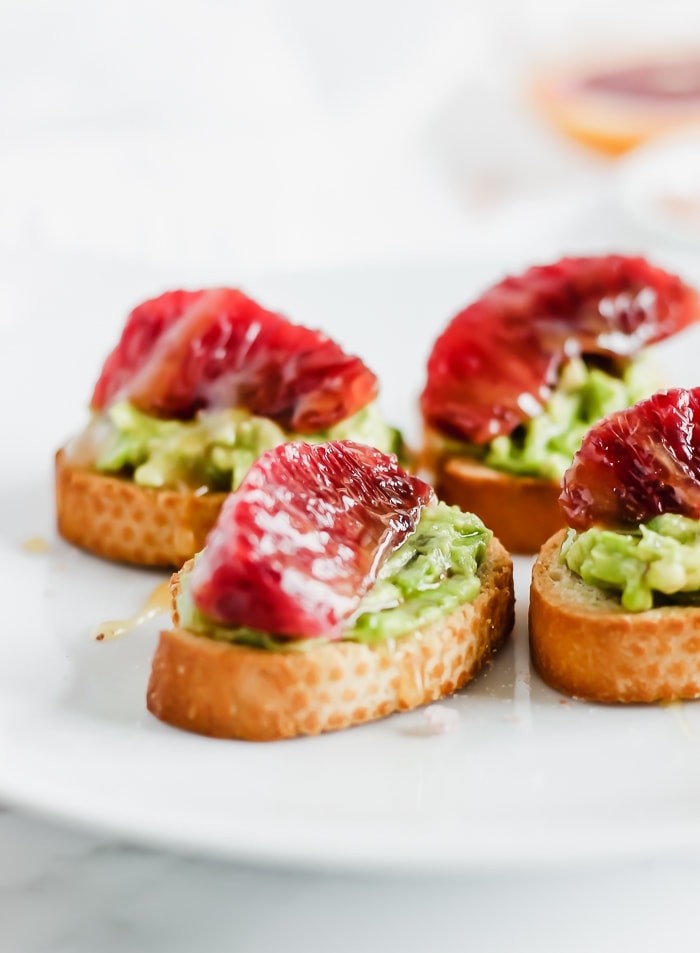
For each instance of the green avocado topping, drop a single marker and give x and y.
(659, 562)
(216, 449)
(430, 575)
(545, 445)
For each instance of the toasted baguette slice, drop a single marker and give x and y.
(523, 512)
(117, 519)
(584, 643)
(232, 691)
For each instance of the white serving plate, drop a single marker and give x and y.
(528, 778)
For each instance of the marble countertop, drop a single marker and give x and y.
(67, 892)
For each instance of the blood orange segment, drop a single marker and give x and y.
(143, 329)
(498, 360)
(637, 464)
(186, 351)
(300, 542)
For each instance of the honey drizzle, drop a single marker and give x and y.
(35, 544)
(158, 601)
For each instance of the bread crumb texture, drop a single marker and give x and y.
(232, 691)
(583, 643)
(119, 520)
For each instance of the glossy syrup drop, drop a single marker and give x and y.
(158, 601)
(36, 545)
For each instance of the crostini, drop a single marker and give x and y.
(334, 589)
(199, 385)
(615, 599)
(519, 376)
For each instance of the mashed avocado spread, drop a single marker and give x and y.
(545, 445)
(432, 573)
(658, 562)
(217, 448)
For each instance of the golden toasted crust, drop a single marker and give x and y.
(231, 691)
(523, 512)
(584, 643)
(117, 519)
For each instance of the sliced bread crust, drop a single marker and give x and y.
(232, 691)
(522, 511)
(583, 643)
(117, 519)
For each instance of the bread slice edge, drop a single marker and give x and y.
(232, 691)
(584, 644)
(522, 511)
(117, 519)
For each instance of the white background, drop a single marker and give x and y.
(271, 134)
